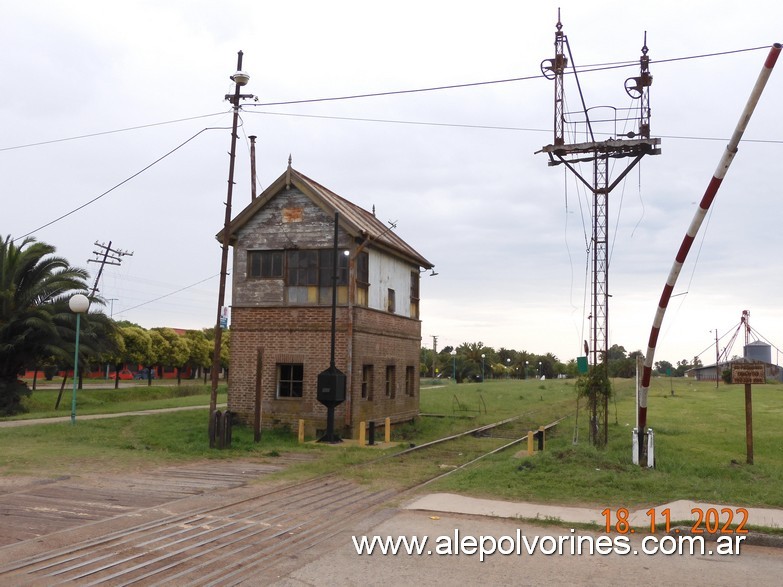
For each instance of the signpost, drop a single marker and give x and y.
(748, 374)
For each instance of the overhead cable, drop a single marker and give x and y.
(111, 189)
(108, 132)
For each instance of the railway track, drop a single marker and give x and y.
(254, 535)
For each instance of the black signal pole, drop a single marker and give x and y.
(332, 382)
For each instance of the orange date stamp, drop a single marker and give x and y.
(710, 520)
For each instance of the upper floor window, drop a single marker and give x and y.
(302, 267)
(265, 264)
(391, 302)
(308, 274)
(316, 267)
(362, 279)
(414, 294)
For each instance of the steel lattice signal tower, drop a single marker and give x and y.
(632, 145)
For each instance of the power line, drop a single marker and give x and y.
(489, 127)
(108, 132)
(409, 122)
(586, 69)
(124, 181)
(168, 294)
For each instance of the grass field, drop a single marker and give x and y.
(699, 431)
(131, 397)
(699, 445)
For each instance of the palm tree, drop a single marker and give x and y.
(35, 286)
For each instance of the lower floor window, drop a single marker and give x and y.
(410, 381)
(290, 380)
(367, 381)
(391, 381)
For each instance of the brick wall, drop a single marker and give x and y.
(303, 335)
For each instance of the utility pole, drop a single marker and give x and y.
(599, 153)
(240, 79)
(434, 353)
(105, 255)
(717, 360)
(252, 167)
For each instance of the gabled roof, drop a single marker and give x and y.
(355, 220)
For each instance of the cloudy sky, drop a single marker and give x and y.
(93, 93)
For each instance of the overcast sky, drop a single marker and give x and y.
(506, 232)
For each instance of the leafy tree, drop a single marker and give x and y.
(621, 365)
(551, 366)
(35, 320)
(159, 350)
(471, 353)
(98, 340)
(664, 367)
(225, 346)
(571, 368)
(175, 352)
(682, 367)
(426, 362)
(596, 387)
(615, 353)
(200, 349)
(138, 345)
(464, 370)
(116, 354)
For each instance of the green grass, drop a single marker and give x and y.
(700, 442)
(125, 443)
(41, 404)
(699, 445)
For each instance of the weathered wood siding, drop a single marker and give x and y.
(387, 272)
(290, 220)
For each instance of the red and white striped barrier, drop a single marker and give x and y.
(693, 229)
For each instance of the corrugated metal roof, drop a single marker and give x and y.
(355, 220)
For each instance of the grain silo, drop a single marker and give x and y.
(758, 351)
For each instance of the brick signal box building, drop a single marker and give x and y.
(282, 308)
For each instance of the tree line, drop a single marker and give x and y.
(472, 361)
(38, 329)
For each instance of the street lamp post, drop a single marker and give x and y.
(527, 369)
(508, 367)
(482, 367)
(454, 365)
(539, 370)
(78, 304)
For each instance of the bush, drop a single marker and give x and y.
(11, 394)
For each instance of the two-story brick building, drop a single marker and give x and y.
(281, 313)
